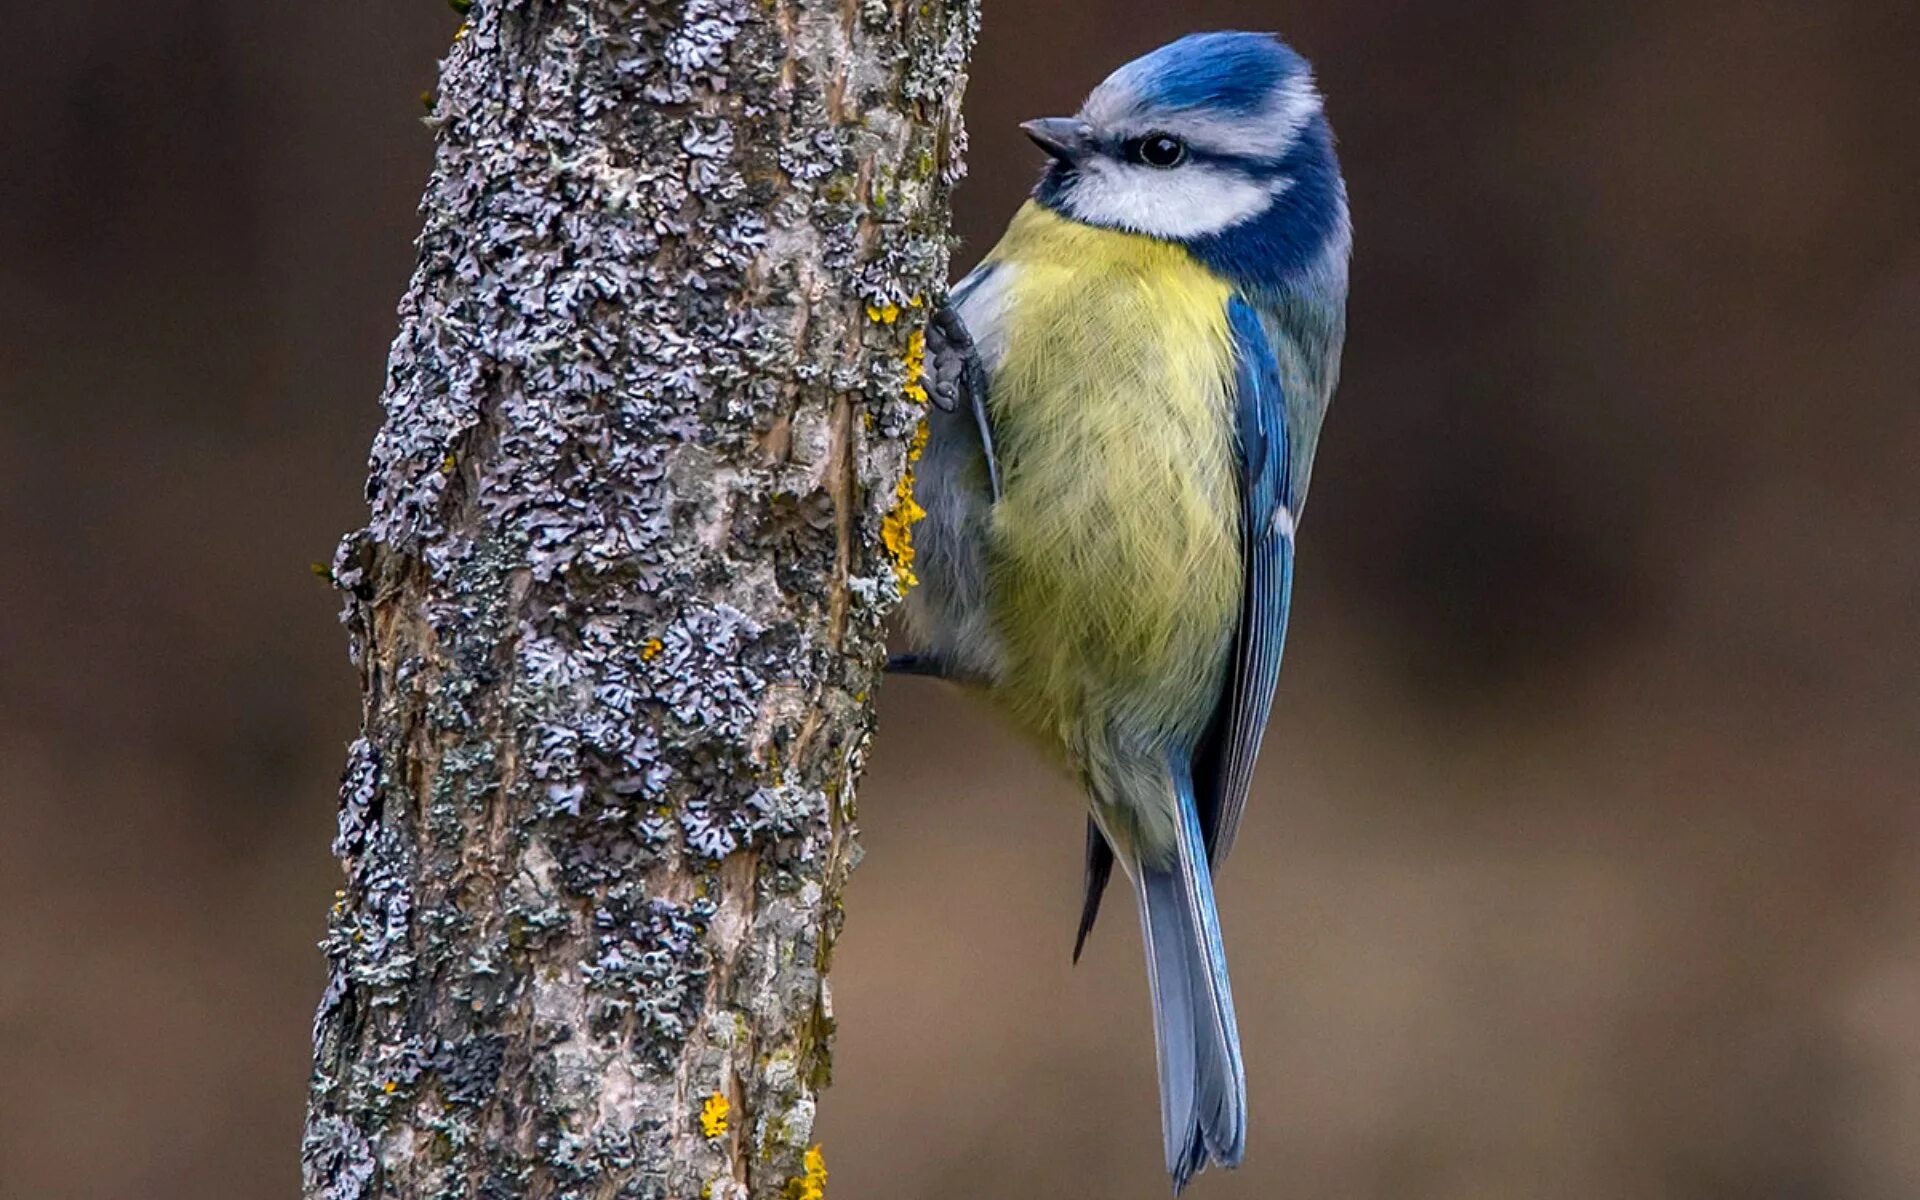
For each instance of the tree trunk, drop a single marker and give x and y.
(638, 512)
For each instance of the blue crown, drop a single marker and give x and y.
(1230, 71)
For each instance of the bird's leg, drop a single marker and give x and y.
(960, 380)
(933, 666)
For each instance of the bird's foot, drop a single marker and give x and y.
(959, 381)
(950, 352)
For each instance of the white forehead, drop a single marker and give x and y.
(1125, 105)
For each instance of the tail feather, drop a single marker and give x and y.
(1099, 868)
(1203, 1089)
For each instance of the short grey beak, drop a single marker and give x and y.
(1065, 138)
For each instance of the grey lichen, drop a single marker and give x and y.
(617, 606)
(336, 1161)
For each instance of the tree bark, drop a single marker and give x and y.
(639, 506)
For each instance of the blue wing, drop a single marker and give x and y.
(1225, 766)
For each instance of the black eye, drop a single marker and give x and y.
(1157, 150)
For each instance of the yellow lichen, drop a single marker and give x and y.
(390, 1087)
(812, 1185)
(713, 1116)
(896, 528)
(650, 648)
(883, 314)
(916, 366)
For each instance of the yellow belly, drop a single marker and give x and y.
(1115, 552)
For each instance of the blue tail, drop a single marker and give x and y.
(1203, 1084)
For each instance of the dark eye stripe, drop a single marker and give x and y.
(1252, 165)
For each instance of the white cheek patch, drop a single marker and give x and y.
(1181, 202)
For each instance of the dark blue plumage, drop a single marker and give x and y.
(1226, 760)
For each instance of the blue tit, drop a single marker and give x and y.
(1112, 490)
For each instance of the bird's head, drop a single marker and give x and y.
(1212, 134)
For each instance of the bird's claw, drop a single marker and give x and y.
(950, 350)
(960, 380)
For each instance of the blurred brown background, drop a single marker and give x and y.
(1584, 860)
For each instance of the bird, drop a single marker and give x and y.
(1128, 391)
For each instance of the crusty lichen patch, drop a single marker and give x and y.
(713, 1116)
(916, 363)
(896, 529)
(812, 1184)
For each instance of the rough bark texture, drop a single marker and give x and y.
(638, 512)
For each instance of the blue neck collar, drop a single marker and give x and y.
(1263, 254)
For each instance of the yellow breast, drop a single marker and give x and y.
(1115, 556)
